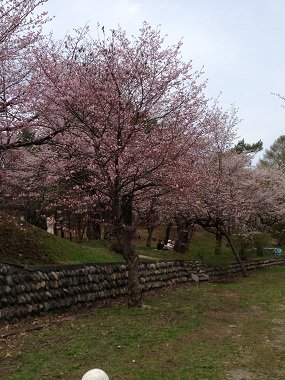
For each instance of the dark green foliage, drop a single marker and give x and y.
(242, 146)
(275, 155)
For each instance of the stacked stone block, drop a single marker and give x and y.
(25, 292)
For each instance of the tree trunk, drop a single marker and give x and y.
(78, 228)
(181, 244)
(150, 230)
(167, 232)
(124, 231)
(93, 230)
(69, 227)
(134, 286)
(82, 234)
(132, 259)
(108, 231)
(96, 231)
(242, 253)
(235, 252)
(190, 233)
(218, 246)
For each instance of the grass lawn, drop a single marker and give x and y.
(212, 332)
(201, 247)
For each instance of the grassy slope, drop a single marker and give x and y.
(64, 251)
(215, 331)
(21, 243)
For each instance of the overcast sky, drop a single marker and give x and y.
(240, 44)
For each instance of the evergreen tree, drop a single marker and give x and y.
(275, 155)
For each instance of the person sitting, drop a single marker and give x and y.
(160, 245)
(170, 244)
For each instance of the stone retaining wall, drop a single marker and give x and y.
(249, 265)
(25, 292)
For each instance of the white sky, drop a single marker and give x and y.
(240, 43)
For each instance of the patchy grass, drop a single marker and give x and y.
(215, 331)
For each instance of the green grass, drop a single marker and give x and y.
(64, 251)
(21, 243)
(215, 331)
(201, 247)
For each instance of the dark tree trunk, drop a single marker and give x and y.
(167, 232)
(242, 253)
(82, 234)
(124, 232)
(132, 259)
(93, 230)
(134, 286)
(218, 246)
(108, 231)
(69, 227)
(97, 231)
(235, 252)
(78, 228)
(191, 233)
(150, 230)
(181, 244)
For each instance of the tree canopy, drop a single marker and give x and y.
(242, 146)
(274, 157)
(120, 127)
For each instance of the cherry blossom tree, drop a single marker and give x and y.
(268, 186)
(212, 194)
(224, 193)
(21, 121)
(133, 108)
